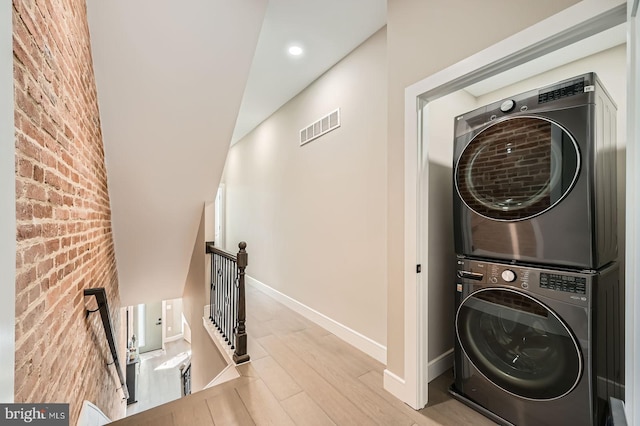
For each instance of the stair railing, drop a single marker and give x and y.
(227, 297)
(101, 298)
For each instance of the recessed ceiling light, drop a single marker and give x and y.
(295, 50)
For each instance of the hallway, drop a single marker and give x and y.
(300, 374)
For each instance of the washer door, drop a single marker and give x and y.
(518, 344)
(517, 168)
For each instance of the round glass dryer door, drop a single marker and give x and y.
(518, 344)
(517, 168)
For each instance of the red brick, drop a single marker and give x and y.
(25, 168)
(28, 105)
(38, 173)
(22, 301)
(28, 231)
(27, 147)
(36, 193)
(42, 211)
(44, 267)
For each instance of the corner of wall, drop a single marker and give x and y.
(7, 208)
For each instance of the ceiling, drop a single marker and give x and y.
(174, 80)
(170, 77)
(327, 30)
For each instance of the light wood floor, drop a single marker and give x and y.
(300, 374)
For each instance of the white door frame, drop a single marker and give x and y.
(632, 295)
(575, 23)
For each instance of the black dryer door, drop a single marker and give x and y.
(517, 168)
(518, 344)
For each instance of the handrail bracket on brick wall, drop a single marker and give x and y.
(103, 307)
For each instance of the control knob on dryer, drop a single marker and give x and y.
(508, 275)
(508, 105)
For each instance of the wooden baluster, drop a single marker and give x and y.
(240, 355)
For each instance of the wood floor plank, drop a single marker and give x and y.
(257, 328)
(304, 411)
(330, 369)
(338, 408)
(159, 421)
(355, 355)
(197, 414)
(331, 352)
(227, 409)
(254, 349)
(451, 413)
(262, 405)
(374, 380)
(168, 408)
(276, 378)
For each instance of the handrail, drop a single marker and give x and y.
(211, 249)
(227, 297)
(101, 298)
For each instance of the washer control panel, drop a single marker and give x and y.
(568, 286)
(565, 283)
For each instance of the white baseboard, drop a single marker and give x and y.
(394, 384)
(397, 386)
(174, 338)
(440, 364)
(360, 341)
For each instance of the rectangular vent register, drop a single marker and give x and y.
(319, 127)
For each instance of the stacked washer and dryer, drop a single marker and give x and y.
(539, 305)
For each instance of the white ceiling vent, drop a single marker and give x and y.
(320, 127)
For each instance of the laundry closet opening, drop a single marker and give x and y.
(437, 131)
(428, 167)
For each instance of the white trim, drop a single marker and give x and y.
(7, 209)
(228, 373)
(393, 383)
(585, 18)
(632, 222)
(440, 364)
(163, 320)
(354, 338)
(174, 338)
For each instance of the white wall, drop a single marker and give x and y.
(173, 318)
(314, 217)
(7, 208)
(439, 117)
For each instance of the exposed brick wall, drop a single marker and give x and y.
(64, 238)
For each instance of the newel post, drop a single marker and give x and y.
(240, 355)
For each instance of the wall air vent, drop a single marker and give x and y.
(320, 127)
